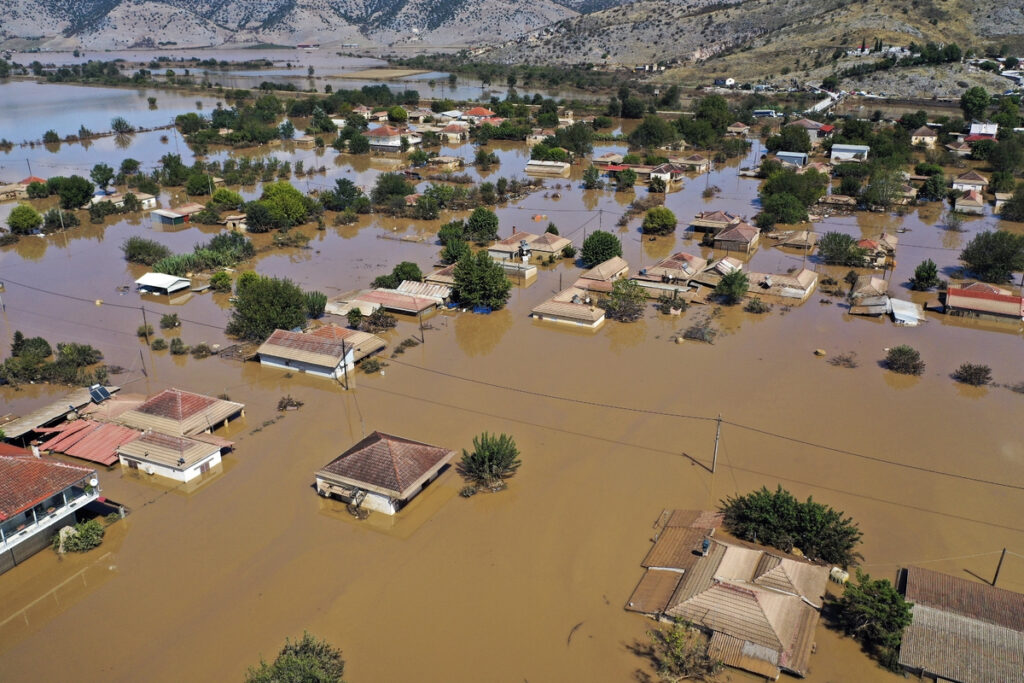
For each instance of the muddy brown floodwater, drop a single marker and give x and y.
(613, 427)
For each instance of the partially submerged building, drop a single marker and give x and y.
(38, 496)
(179, 412)
(796, 285)
(179, 458)
(382, 472)
(161, 283)
(714, 221)
(573, 306)
(984, 301)
(962, 631)
(672, 274)
(602, 277)
(741, 237)
(760, 606)
(327, 351)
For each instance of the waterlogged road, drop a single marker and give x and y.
(199, 585)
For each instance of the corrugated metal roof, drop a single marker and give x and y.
(89, 440)
(655, 589)
(387, 464)
(745, 655)
(960, 648)
(676, 547)
(171, 283)
(396, 301)
(26, 481)
(49, 413)
(427, 289)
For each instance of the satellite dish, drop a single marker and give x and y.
(94, 482)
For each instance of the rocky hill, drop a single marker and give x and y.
(107, 24)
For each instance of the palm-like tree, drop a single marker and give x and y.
(493, 459)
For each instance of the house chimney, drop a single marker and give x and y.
(35, 449)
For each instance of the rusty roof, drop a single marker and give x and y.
(741, 232)
(89, 440)
(742, 654)
(655, 589)
(396, 301)
(387, 464)
(26, 481)
(676, 548)
(969, 598)
(383, 132)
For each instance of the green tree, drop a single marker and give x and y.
(995, 256)
(659, 220)
(874, 612)
(101, 174)
(406, 270)
(493, 459)
(714, 109)
(791, 138)
(24, 220)
(933, 189)
(390, 186)
(454, 249)
(285, 203)
(926, 276)
(220, 282)
(120, 126)
(37, 190)
(654, 131)
(626, 301)
(344, 195)
(264, 304)
(732, 287)
(807, 187)
(482, 226)
(974, 102)
(286, 131)
(781, 521)
(656, 185)
(783, 208)
(56, 219)
(837, 248)
(480, 281)
(591, 178)
(198, 184)
(308, 660)
(885, 186)
(632, 108)
(397, 114)
(598, 247)
(1013, 209)
(316, 303)
(625, 179)
(904, 359)
(138, 249)
(224, 198)
(51, 137)
(1007, 156)
(74, 191)
(359, 144)
(680, 654)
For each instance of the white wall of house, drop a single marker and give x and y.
(42, 522)
(967, 187)
(592, 325)
(308, 368)
(174, 473)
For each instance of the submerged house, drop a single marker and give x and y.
(962, 630)
(796, 285)
(741, 237)
(760, 606)
(179, 458)
(382, 472)
(672, 274)
(38, 496)
(970, 202)
(179, 215)
(328, 351)
(179, 412)
(549, 244)
(573, 306)
(714, 221)
(985, 301)
(849, 153)
(602, 277)
(971, 180)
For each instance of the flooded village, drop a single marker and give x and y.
(624, 296)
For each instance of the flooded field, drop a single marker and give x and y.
(613, 426)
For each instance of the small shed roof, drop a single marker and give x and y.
(168, 283)
(50, 413)
(652, 594)
(26, 481)
(387, 464)
(89, 440)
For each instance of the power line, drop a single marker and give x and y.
(702, 418)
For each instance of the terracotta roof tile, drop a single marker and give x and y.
(388, 463)
(26, 481)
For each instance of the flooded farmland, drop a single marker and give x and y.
(613, 426)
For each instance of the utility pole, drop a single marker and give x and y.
(718, 434)
(145, 325)
(423, 339)
(999, 566)
(344, 362)
(29, 164)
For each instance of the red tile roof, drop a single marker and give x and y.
(479, 111)
(26, 481)
(969, 293)
(978, 137)
(828, 128)
(388, 463)
(32, 179)
(383, 132)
